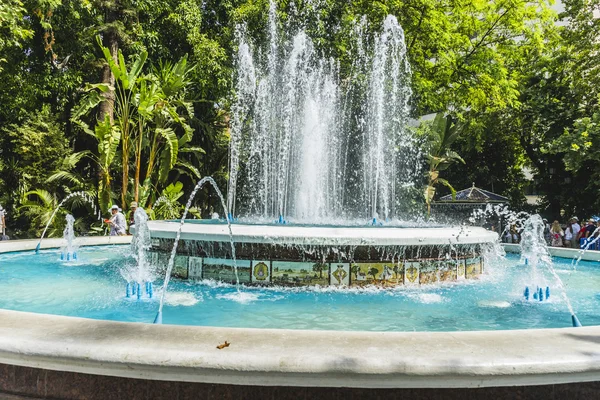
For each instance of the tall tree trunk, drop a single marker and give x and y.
(125, 142)
(107, 107)
(138, 161)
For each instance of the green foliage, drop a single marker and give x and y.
(13, 30)
(168, 205)
(35, 147)
(39, 205)
(524, 89)
(494, 159)
(441, 134)
(581, 144)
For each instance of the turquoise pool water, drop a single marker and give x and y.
(92, 287)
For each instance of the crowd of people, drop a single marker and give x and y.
(572, 234)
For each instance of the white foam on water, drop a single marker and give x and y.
(494, 304)
(426, 298)
(181, 299)
(240, 297)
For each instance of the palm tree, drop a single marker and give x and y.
(319, 267)
(150, 126)
(39, 205)
(373, 272)
(444, 131)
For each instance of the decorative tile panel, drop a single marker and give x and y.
(195, 268)
(300, 273)
(261, 271)
(473, 267)
(381, 273)
(222, 270)
(340, 274)
(428, 272)
(411, 273)
(180, 266)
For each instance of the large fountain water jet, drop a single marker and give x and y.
(310, 146)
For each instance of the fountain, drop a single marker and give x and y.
(89, 199)
(331, 162)
(143, 272)
(70, 250)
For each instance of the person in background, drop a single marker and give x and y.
(3, 224)
(589, 228)
(556, 234)
(569, 238)
(117, 223)
(547, 235)
(131, 215)
(514, 235)
(576, 229)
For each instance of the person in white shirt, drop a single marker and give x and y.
(575, 228)
(569, 234)
(117, 223)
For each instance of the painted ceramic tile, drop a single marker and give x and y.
(261, 271)
(375, 274)
(411, 273)
(473, 267)
(460, 269)
(448, 270)
(162, 262)
(340, 274)
(180, 266)
(222, 270)
(428, 272)
(195, 268)
(300, 273)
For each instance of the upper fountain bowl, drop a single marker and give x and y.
(322, 255)
(323, 235)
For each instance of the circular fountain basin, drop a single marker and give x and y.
(58, 356)
(303, 255)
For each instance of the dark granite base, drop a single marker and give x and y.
(39, 383)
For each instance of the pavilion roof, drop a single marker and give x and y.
(475, 194)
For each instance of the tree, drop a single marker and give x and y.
(373, 272)
(442, 133)
(150, 111)
(320, 267)
(13, 30)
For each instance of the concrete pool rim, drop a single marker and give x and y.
(296, 358)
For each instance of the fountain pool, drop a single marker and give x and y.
(92, 287)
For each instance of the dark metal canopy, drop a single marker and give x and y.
(474, 195)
